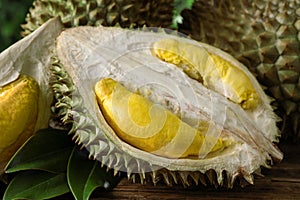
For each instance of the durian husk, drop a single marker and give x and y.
(264, 36)
(76, 105)
(125, 13)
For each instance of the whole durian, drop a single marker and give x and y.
(265, 36)
(124, 13)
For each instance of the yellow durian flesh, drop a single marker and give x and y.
(151, 127)
(19, 109)
(215, 72)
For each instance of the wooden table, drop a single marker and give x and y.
(280, 182)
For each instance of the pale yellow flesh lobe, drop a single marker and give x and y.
(18, 114)
(210, 69)
(148, 126)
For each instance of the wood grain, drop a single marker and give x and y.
(280, 182)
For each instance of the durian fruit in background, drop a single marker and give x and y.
(125, 13)
(265, 36)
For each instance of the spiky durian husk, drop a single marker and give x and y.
(263, 35)
(124, 13)
(111, 151)
(69, 110)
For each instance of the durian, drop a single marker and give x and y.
(124, 13)
(264, 36)
(242, 144)
(25, 94)
(18, 108)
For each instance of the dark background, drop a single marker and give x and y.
(12, 15)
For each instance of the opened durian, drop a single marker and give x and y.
(25, 94)
(263, 35)
(154, 120)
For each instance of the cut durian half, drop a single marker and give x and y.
(90, 54)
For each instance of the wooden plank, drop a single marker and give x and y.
(280, 182)
(261, 190)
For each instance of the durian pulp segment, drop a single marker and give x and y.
(215, 72)
(149, 126)
(19, 109)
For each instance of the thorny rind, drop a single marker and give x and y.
(98, 140)
(116, 159)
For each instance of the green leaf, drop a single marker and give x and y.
(179, 6)
(47, 150)
(36, 185)
(84, 175)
